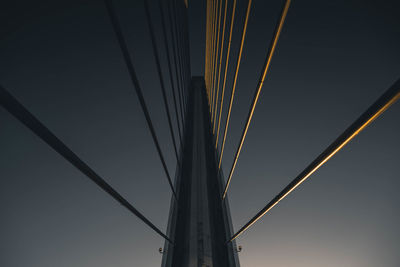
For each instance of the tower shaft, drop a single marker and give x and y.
(199, 223)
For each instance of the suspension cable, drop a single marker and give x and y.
(206, 68)
(267, 63)
(181, 12)
(216, 64)
(226, 71)
(374, 111)
(174, 52)
(164, 30)
(179, 54)
(185, 67)
(208, 52)
(135, 81)
(15, 108)
(220, 62)
(234, 81)
(179, 9)
(180, 37)
(213, 52)
(158, 64)
(214, 56)
(187, 46)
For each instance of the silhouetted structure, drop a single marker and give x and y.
(199, 221)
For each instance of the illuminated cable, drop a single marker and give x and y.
(216, 63)
(220, 62)
(206, 65)
(267, 63)
(226, 70)
(214, 25)
(234, 81)
(373, 112)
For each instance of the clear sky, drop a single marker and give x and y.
(334, 58)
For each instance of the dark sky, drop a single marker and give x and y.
(334, 58)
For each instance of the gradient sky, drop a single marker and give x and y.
(334, 58)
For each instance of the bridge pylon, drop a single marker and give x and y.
(199, 222)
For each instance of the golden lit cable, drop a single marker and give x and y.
(234, 81)
(205, 52)
(212, 51)
(215, 49)
(209, 50)
(267, 63)
(207, 58)
(226, 70)
(216, 62)
(382, 104)
(220, 62)
(208, 41)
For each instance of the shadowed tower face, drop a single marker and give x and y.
(199, 222)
